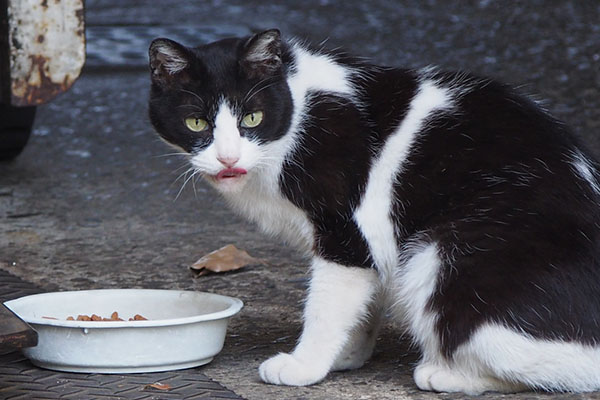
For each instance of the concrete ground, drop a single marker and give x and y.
(94, 200)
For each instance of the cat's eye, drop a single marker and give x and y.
(252, 120)
(196, 124)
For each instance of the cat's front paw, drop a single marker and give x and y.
(285, 369)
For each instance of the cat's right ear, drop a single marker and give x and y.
(262, 54)
(168, 61)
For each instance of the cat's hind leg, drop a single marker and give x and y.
(338, 301)
(416, 281)
(497, 358)
(512, 356)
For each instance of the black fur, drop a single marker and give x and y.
(173, 100)
(494, 187)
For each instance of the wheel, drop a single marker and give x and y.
(15, 128)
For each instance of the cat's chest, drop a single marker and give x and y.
(263, 204)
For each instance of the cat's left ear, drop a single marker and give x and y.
(262, 54)
(169, 61)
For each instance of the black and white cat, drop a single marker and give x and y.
(447, 201)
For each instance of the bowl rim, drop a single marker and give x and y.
(234, 306)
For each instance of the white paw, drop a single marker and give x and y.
(422, 374)
(285, 369)
(436, 378)
(433, 377)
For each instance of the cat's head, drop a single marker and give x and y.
(222, 103)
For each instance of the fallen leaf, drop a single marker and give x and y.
(227, 258)
(159, 386)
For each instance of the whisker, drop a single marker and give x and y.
(252, 89)
(260, 90)
(190, 105)
(184, 173)
(193, 94)
(194, 186)
(180, 168)
(171, 155)
(198, 177)
(185, 182)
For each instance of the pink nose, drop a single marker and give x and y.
(228, 161)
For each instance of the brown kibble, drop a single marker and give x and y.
(138, 317)
(95, 317)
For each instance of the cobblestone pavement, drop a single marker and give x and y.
(94, 200)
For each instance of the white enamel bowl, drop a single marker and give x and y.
(184, 329)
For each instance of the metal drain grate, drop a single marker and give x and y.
(19, 379)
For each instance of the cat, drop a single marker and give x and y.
(447, 201)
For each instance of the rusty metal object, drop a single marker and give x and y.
(46, 48)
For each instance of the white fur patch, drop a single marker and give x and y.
(373, 215)
(319, 72)
(510, 356)
(262, 203)
(585, 170)
(227, 138)
(413, 283)
(227, 144)
(312, 73)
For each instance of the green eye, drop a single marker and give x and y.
(252, 120)
(196, 124)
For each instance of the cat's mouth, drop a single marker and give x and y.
(229, 173)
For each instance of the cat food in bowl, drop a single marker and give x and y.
(183, 329)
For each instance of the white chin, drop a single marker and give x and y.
(228, 185)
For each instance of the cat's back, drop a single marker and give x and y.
(433, 149)
(492, 110)
(455, 140)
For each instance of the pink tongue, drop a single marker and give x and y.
(231, 172)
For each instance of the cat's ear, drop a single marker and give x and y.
(168, 61)
(262, 54)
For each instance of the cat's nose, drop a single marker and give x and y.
(228, 161)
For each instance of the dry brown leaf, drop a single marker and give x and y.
(159, 386)
(227, 258)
